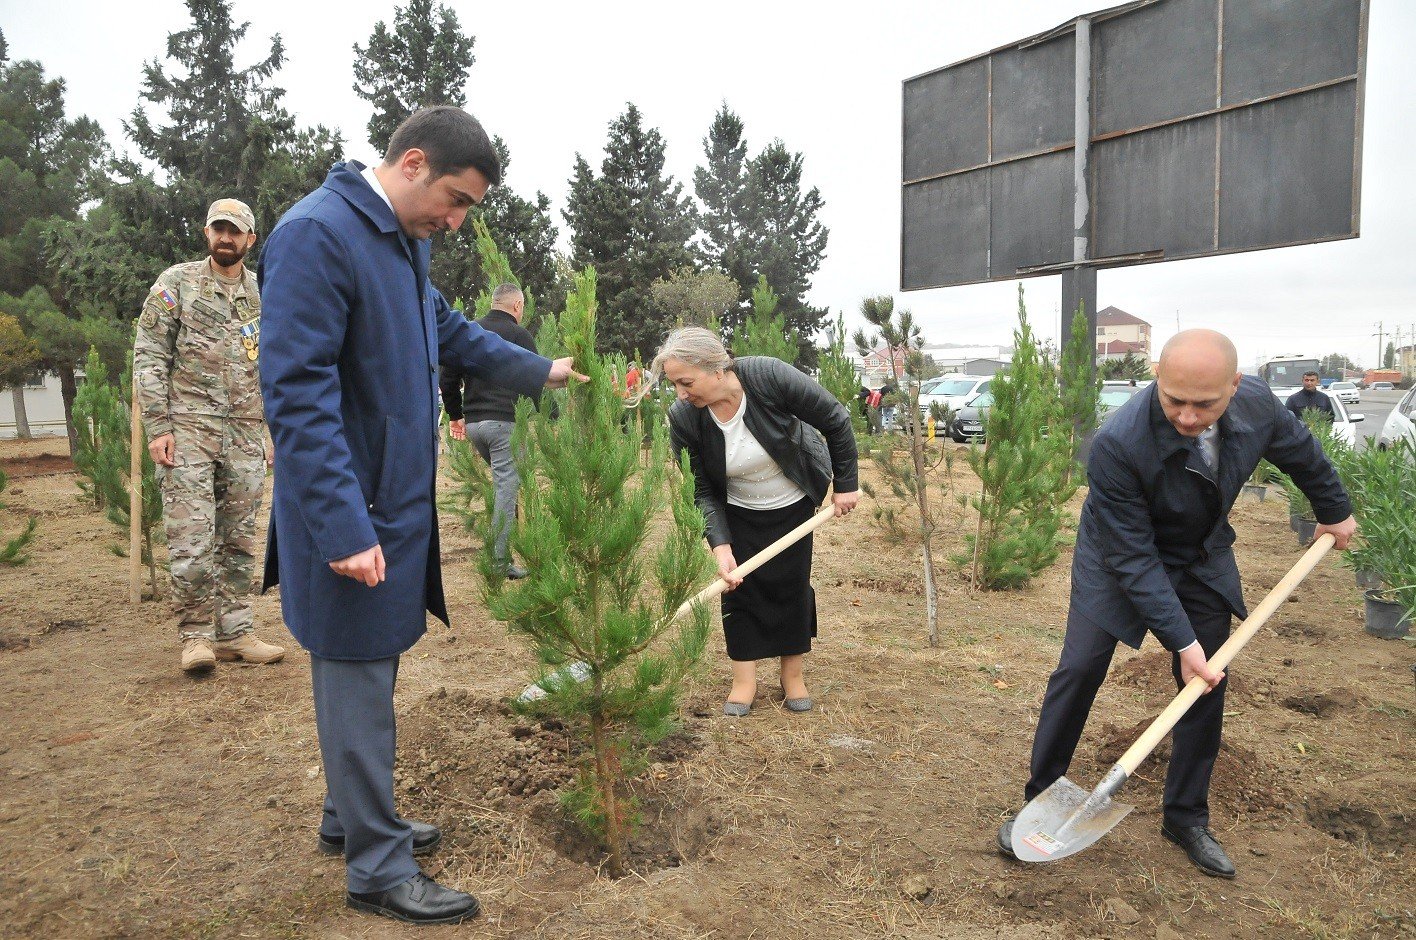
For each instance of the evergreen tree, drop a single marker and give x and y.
(1336, 364)
(765, 333)
(1389, 357)
(695, 298)
(1023, 471)
(12, 551)
(907, 481)
(838, 374)
(49, 165)
(64, 340)
(632, 223)
(1129, 366)
(215, 129)
(757, 220)
(598, 593)
(721, 187)
(102, 417)
(422, 61)
(19, 360)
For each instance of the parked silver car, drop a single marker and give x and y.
(1347, 391)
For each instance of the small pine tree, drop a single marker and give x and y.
(585, 600)
(839, 376)
(765, 333)
(101, 418)
(907, 481)
(1024, 471)
(13, 552)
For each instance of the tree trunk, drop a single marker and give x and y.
(68, 388)
(926, 521)
(22, 428)
(605, 779)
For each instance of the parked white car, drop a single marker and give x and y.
(1347, 391)
(1344, 424)
(952, 391)
(1401, 422)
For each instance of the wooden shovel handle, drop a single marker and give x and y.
(761, 558)
(1166, 720)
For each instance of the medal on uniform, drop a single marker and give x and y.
(251, 339)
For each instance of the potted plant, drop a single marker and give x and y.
(1257, 485)
(1382, 486)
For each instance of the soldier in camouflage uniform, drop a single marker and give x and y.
(195, 356)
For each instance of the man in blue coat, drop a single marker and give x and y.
(352, 335)
(1155, 553)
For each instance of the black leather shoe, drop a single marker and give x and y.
(1199, 843)
(1005, 840)
(419, 900)
(425, 839)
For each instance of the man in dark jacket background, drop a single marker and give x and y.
(1310, 396)
(1154, 554)
(485, 413)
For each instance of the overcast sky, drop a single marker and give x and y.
(549, 77)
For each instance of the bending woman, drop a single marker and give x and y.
(760, 469)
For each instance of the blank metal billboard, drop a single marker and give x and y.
(1211, 126)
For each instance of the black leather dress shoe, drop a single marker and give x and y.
(1199, 843)
(419, 900)
(1005, 840)
(425, 839)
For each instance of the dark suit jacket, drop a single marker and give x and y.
(352, 334)
(466, 396)
(1301, 400)
(785, 410)
(1155, 510)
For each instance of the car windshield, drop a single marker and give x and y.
(951, 387)
(1113, 398)
(1342, 385)
(982, 401)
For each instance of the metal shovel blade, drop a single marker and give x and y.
(1058, 822)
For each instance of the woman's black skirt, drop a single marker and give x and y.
(773, 612)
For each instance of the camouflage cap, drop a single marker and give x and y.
(234, 211)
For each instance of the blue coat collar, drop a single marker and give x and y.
(1169, 441)
(345, 179)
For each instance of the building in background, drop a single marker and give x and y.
(1119, 334)
(44, 407)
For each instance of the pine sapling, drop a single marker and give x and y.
(765, 333)
(13, 551)
(599, 593)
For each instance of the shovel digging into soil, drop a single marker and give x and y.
(579, 671)
(1065, 819)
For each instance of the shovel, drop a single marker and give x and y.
(581, 671)
(1064, 819)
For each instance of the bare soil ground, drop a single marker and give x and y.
(135, 802)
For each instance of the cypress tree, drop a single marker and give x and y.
(598, 592)
(1081, 388)
(838, 374)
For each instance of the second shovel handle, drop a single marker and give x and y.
(761, 558)
(1167, 719)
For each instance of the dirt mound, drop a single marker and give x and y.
(17, 468)
(1241, 781)
(1385, 829)
(1149, 672)
(1322, 704)
(507, 766)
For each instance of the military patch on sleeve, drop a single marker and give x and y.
(167, 298)
(149, 317)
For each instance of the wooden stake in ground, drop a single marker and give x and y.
(135, 500)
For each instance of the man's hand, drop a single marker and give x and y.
(163, 449)
(726, 564)
(1193, 663)
(458, 429)
(562, 371)
(845, 502)
(270, 454)
(1342, 532)
(366, 567)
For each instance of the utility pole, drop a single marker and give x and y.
(1381, 349)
